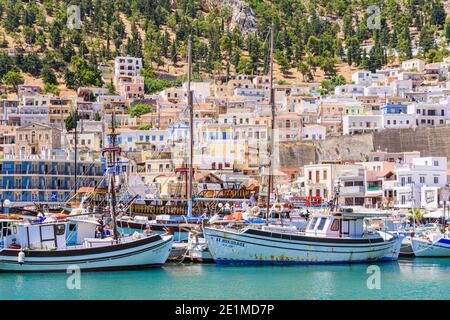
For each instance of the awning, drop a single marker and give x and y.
(435, 214)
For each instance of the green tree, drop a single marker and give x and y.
(14, 79)
(52, 88)
(305, 70)
(438, 13)
(49, 76)
(426, 40)
(140, 109)
(71, 121)
(282, 61)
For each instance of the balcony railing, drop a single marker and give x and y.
(353, 190)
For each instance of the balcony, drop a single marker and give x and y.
(353, 190)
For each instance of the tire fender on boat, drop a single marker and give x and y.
(21, 257)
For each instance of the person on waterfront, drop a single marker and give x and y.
(100, 228)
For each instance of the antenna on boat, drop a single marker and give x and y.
(191, 128)
(271, 141)
(112, 167)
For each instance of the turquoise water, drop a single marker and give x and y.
(417, 278)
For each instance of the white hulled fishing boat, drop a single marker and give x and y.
(334, 238)
(432, 244)
(54, 245)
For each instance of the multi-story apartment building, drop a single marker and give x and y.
(59, 110)
(362, 124)
(412, 177)
(321, 179)
(131, 87)
(36, 138)
(395, 116)
(46, 179)
(127, 66)
(34, 108)
(352, 185)
(7, 140)
(9, 112)
(429, 114)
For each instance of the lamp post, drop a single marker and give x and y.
(444, 203)
(6, 204)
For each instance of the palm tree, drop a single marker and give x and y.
(417, 214)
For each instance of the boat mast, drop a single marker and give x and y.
(76, 151)
(191, 128)
(272, 125)
(112, 168)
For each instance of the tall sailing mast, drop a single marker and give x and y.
(272, 125)
(191, 128)
(112, 167)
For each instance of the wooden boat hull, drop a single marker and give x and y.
(151, 251)
(425, 248)
(264, 247)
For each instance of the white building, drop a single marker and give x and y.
(34, 108)
(349, 90)
(312, 132)
(362, 123)
(127, 66)
(362, 77)
(201, 91)
(413, 64)
(429, 114)
(398, 121)
(411, 178)
(380, 91)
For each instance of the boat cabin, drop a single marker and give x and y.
(6, 230)
(336, 226)
(50, 235)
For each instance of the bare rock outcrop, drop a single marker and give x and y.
(242, 15)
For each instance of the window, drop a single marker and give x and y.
(335, 225)
(422, 179)
(436, 163)
(313, 223)
(321, 223)
(324, 174)
(436, 179)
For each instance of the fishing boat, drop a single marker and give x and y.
(333, 238)
(161, 224)
(431, 244)
(57, 244)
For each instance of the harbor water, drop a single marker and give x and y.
(412, 278)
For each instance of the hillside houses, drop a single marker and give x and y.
(232, 122)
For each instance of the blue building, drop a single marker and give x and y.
(394, 108)
(46, 181)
